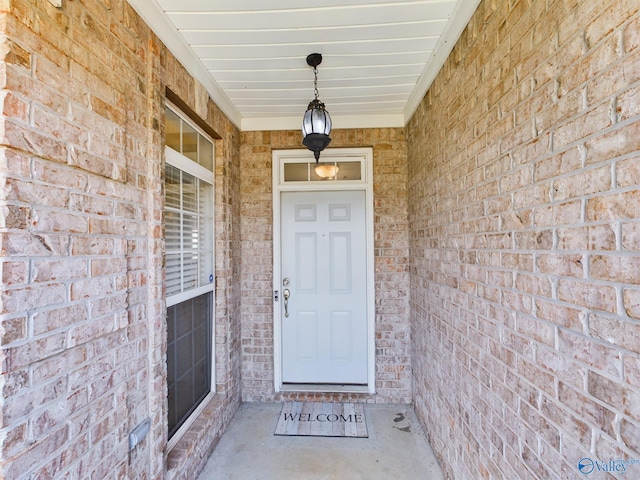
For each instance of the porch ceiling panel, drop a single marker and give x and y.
(379, 56)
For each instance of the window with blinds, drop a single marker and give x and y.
(188, 231)
(189, 270)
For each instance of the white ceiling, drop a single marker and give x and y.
(379, 56)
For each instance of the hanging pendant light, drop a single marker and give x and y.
(316, 124)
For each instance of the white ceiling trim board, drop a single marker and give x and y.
(251, 5)
(460, 17)
(251, 124)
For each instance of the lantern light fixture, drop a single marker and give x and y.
(316, 124)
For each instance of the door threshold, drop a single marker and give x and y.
(325, 388)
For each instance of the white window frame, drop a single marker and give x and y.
(185, 164)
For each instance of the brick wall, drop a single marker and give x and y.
(82, 303)
(393, 363)
(524, 227)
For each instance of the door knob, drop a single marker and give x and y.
(286, 294)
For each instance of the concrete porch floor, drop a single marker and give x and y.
(396, 448)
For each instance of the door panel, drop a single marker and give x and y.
(341, 336)
(340, 262)
(306, 326)
(323, 258)
(306, 262)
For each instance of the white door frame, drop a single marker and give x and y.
(279, 158)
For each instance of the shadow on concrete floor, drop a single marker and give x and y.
(397, 449)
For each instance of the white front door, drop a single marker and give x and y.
(324, 287)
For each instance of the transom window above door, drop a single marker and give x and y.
(300, 170)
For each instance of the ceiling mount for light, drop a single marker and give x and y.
(316, 124)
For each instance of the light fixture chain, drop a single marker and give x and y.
(315, 81)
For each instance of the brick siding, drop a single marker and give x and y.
(524, 207)
(82, 317)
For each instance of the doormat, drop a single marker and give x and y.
(317, 419)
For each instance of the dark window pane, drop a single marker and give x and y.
(173, 418)
(189, 352)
